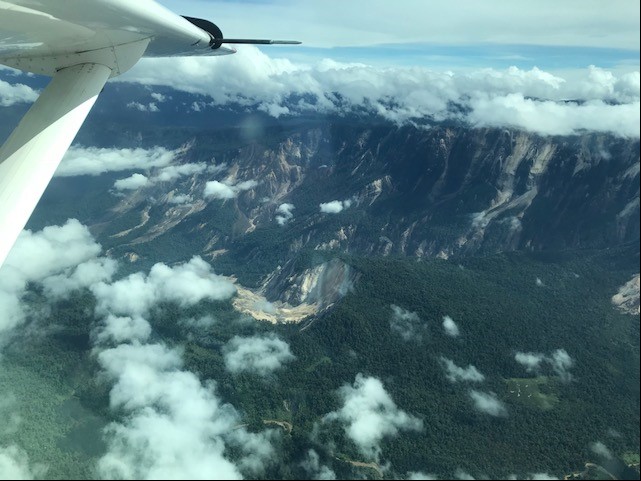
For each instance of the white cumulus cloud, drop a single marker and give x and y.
(164, 174)
(180, 199)
(225, 191)
(533, 99)
(96, 161)
(175, 425)
(14, 464)
(601, 449)
(335, 206)
(170, 424)
(561, 364)
(11, 94)
(450, 327)
(261, 355)
(530, 360)
(369, 414)
(173, 172)
(119, 329)
(134, 182)
(464, 475)
(312, 465)
(543, 476)
(284, 213)
(60, 258)
(460, 374)
(419, 475)
(407, 324)
(185, 284)
(488, 403)
(559, 360)
(150, 107)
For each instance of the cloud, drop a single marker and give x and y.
(150, 107)
(11, 419)
(533, 99)
(245, 185)
(136, 181)
(12, 313)
(225, 191)
(457, 374)
(118, 329)
(185, 284)
(96, 161)
(530, 360)
(335, 206)
(488, 403)
(419, 475)
(60, 258)
(204, 322)
(11, 94)
(160, 98)
(263, 305)
(165, 174)
(257, 449)
(86, 274)
(560, 362)
(555, 118)
(601, 449)
(531, 476)
(313, 467)
(407, 324)
(180, 199)
(173, 172)
(14, 464)
(261, 355)
(369, 414)
(285, 213)
(174, 426)
(38, 255)
(543, 476)
(461, 474)
(450, 327)
(458, 22)
(171, 424)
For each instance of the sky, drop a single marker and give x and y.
(502, 64)
(554, 68)
(444, 34)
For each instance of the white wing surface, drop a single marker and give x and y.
(81, 44)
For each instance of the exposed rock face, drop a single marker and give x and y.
(441, 192)
(447, 190)
(291, 296)
(322, 285)
(627, 299)
(460, 191)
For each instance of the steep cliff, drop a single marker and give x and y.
(371, 189)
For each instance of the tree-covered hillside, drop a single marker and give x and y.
(501, 304)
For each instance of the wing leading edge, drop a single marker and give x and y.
(81, 44)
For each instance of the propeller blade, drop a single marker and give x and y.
(258, 41)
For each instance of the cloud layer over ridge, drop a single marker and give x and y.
(593, 99)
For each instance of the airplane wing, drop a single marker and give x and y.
(81, 44)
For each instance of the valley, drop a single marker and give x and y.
(293, 280)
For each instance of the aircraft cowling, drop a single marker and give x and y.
(211, 28)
